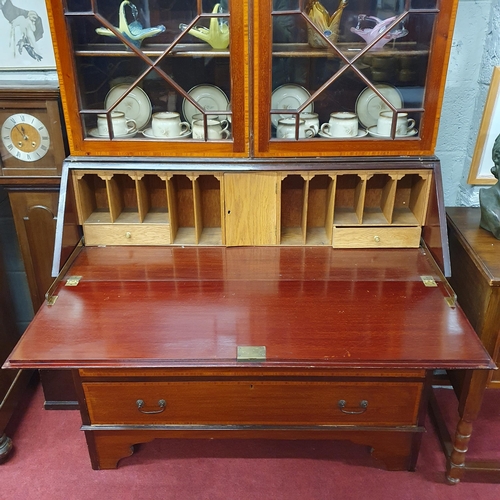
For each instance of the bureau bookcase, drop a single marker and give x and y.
(271, 280)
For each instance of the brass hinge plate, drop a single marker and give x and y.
(251, 353)
(450, 301)
(428, 281)
(52, 300)
(72, 280)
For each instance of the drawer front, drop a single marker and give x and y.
(258, 403)
(127, 234)
(376, 237)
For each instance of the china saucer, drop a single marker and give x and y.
(210, 98)
(373, 132)
(361, 133)
(369, 105)
(136, 104)
(149, 134)
(95, 133)
(289, 96)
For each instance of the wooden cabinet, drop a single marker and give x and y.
(475, 278)
(267, 226)
(264, 62)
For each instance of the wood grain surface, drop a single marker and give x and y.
(149, 307)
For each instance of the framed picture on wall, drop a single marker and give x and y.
(25, 41)
(488, 131)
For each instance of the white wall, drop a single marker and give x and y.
(475, 50)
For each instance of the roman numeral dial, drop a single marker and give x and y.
(25, 137)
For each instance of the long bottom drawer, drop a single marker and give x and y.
(258, 403)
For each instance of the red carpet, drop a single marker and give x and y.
(50, 461)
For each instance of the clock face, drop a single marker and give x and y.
(25, 137)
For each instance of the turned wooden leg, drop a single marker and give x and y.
(456, 462)
(5, 447)
(469, 406)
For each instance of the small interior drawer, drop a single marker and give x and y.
(376, 237)
(127, 234)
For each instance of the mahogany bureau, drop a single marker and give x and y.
(264, 284)
(252, 342)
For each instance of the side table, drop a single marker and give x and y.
(475, 264)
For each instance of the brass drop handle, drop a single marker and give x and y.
(377, 239)
(362, 404)
(161, 403)
(128, 235)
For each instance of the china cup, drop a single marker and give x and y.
(168, 124)
(121, 125)
(311, 121)
(200, 117)
(215, 130)
(286, 129)
(403, 124)
(341, 124)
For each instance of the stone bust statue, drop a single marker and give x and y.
(489, 199)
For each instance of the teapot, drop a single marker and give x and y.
(217, 35)
(369, 34)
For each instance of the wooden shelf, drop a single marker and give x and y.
(350, 49)
(279, 50)
(149, 50)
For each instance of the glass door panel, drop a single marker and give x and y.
(359, 68)
(154, 71)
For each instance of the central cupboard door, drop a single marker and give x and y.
(153, 77)
(251, 208)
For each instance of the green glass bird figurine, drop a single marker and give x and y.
(218, 33)
(134, 32)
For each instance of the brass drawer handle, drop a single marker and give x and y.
(377, 239)
(161, 403)
(362, 404)
(128, 235)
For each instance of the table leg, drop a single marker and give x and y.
(470, 401)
